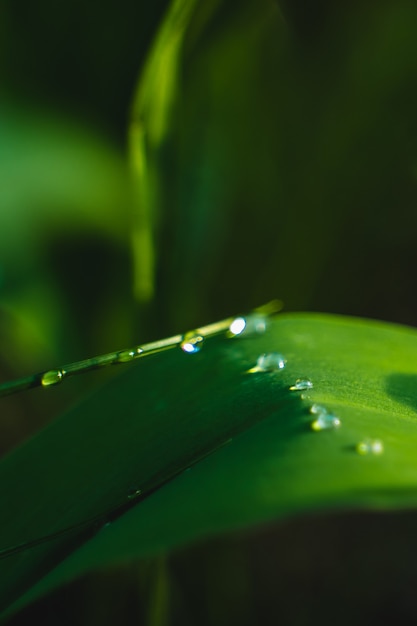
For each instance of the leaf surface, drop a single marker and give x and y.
(213, 446)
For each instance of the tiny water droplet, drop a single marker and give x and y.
(253, 324)
(301, 384)
(129, 355)
(317, 409)
(271, 362)
(324, 420)
(192, 343)
(102, 525)
(133, 493)
(53, 377)
(370, 446)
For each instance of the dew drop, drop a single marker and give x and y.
(253, 324)
(370, 446)
(129, 355)
(53, 377)
(302, 384)
(324, 420)
(133, 493)
(317, 409)
(101, 525)
(237, 326)
(192, 343)
(271, 362)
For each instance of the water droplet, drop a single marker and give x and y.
(301, 384)
(271, 362)
(102, 525)
(133, 493)
(192, 343)
(129, 355)
(253, 324)
(53, 377)
(317, 409)
(237, 326)
(370, 446)
(324, 420)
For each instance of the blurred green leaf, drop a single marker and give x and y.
(265, 460)
(57, 173)
(65, 279)
(60, 184)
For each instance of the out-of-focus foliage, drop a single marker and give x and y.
(64, 200)
(64, 245)
(59, 183)
(288, 165)
(81, 57)
(67, 74)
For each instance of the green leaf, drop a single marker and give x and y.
(245, 437)
(57, 173)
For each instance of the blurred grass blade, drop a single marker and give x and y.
(152, 115)
(121, 455)
(192, 111)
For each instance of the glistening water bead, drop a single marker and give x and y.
(271, 362)
(324, 420)
(53, 377)
(237, 326)
(253, 324)
(129, 355)
(370, 446)
(317, 409)
(302, 384)
(192, 343)
(133, 493)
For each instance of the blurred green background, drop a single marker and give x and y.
(68, 74)
(272, 153)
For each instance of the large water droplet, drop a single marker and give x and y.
(53, 377)
(129, 355)
(237, 326)
(253, 324)
(133, 493)
(301, 384)
(324, 420)
(192, 343)
(370, 446)
(271, 362)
